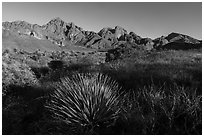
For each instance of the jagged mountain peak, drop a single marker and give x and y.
(119, 28)
(112, 29)
(56, 19)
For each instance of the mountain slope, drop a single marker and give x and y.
(28, 43)
(177, 41)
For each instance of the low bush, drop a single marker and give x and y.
(16, 73)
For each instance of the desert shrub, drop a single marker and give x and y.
(16, 73)
(41, 71)
(85, 102)
(60, 69)
(56, 64)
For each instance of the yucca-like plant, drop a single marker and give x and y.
(86, 101)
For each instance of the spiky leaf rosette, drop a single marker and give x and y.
(85, 100)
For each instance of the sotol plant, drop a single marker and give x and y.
(85, 101)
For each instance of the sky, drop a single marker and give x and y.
(145, 19)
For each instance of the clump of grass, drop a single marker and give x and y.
(85, 102)
(161, 110)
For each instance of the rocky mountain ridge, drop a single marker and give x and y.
(66, 34)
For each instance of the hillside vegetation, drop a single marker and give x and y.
(153, 93)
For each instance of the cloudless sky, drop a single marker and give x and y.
(145, 19)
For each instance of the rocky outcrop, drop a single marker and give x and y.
(113, 35)
(98, 42)
(136, 38)
(120, 33)
(159, 42)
